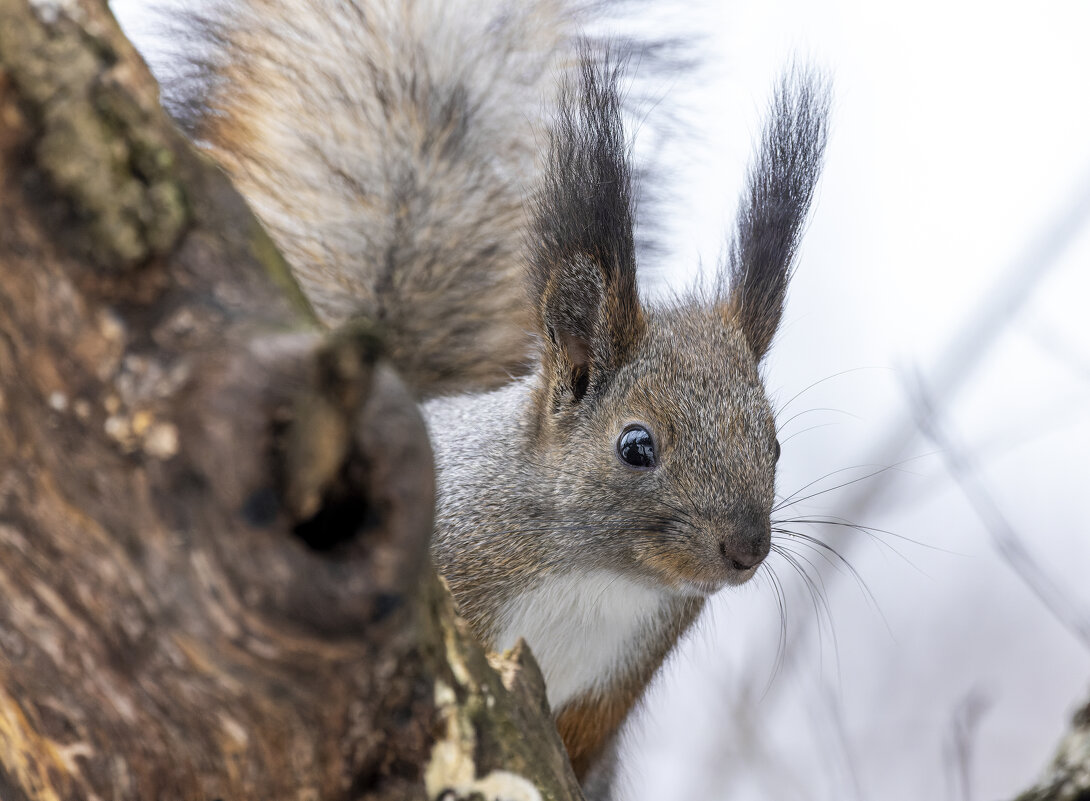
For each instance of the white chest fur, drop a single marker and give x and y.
(582, 628)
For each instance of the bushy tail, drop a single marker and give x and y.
(388, 146)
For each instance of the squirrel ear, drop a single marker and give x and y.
(582, 253)
(779, 187)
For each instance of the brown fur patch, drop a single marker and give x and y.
(588, 724)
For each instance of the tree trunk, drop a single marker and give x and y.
(214, 519)
(1067, 778)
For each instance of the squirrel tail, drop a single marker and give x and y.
(387, 146)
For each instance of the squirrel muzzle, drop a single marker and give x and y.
(744, 546)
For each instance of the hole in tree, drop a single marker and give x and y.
(344, 513)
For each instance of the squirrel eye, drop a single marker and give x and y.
(776, 451)
(636, 448)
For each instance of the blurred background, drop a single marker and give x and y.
(932, 377)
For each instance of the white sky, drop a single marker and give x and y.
(961, 132)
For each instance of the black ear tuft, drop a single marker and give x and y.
(582, 252)
(779, 187)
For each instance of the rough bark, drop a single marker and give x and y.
(1067, 778)
(213, 519)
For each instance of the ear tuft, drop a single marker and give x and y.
(779, 187)
(582, 253)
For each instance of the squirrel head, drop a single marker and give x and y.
(653, 421)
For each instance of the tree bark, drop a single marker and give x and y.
(1067, 778)
(214, 519)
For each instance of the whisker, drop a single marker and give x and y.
(815, 600)
(791, 499)
(685, 516)
(817, 597)
(872, 534)
(781, 604)
(820, 381)
(604, 590)
(640, 523)
(870, 531)
(821, 548)
(805, 430)
(828, 551)
(780, 426)
(816, 578)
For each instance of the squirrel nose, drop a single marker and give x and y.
(746, 549)
(741, 559)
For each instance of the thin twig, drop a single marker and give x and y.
(1006, 538)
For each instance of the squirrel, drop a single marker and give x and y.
(459, 172)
